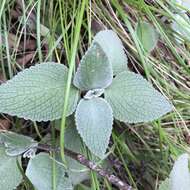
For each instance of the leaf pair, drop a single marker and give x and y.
(94, 117)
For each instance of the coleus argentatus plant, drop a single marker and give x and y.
(103, 89)
(110, 91)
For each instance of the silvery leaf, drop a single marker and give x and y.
(94, 70)
(181, 25)
(10, 176)
(147, 35)
(180, 176)
(134, 100)
(94, 122)
(39, 172)
(112, 46)
(16, 144)
(38, 93)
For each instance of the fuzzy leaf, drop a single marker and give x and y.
(39, 172)
(94, 71)
(180, 176)
(37, 93)
(94, 121)
(134, 100)
(10, 176)
(16, 144)
(147, 35)
(112, 46)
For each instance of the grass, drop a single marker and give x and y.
(142, 154)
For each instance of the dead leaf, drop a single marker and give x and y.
(25, 59)
(2, 78)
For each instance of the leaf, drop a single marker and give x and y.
(112, 46)
(94, 121)
(16, 144)
(77, 172)
(182, 26)
(39, 172)
(134, 100)
(180, 176)
(165, 185)
(94, 71)
(184, 3)
(37, 93)
(10, 176)
(147, 35)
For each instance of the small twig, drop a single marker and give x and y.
(91, 165)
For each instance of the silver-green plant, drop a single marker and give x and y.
(111, 91)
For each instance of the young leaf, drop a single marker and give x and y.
(10, 176)
(112, 46)
(180, 176)
(93, 93)
(94, 71)
(37, 93)
(147, 35)
(16, 144)
(94, 121)
(134, 100)
(39, 172)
